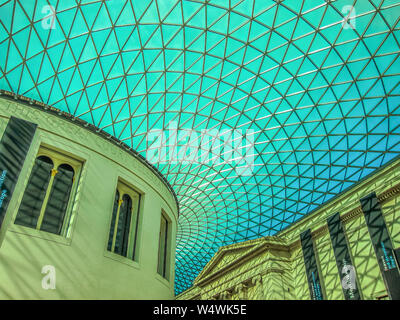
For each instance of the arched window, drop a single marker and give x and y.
(114, 216)
(124, 222)
(164, 244)
(58, 200)
(45, 201)
(35, 192)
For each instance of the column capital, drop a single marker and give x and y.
(225, 295)
(241, 290)
(256, 280)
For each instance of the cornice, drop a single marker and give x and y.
(31, 103)
(265, 244)
(276, 243)
(342, 196)
(249, 281)
(354, 213)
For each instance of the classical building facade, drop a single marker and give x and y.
(347, 249)
(82, 216)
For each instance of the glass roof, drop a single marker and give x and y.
(311, 87)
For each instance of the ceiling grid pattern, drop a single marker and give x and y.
(318, 85)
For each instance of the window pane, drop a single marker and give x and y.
(35, 193)
(58, 200)
(121, 241)
(165, 249)
(127, 225)
(162, 247)
(135, 222)
(114, 216)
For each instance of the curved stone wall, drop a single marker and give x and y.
(79, 262)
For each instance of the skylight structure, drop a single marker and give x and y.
(308, 92)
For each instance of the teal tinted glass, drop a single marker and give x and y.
(314, 83)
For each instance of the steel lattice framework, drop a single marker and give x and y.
(316, 81)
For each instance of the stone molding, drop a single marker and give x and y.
(60, 123)
(354, 213)
(256, 280)
(255, 249)
(376, 181)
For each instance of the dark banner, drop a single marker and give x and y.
(311, 266)
(14, 146)
(397, 255)
(345, 266)
(382, 244)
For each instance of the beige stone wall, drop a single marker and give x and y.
(281, 272)
(84, 267)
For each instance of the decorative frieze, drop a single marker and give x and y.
(256, 280)
(383, 197)
(241, 290)
(77, 132)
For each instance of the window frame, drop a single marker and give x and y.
(58, 157)
(132, 257)
(166, 272)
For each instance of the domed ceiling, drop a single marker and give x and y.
(306, 91)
